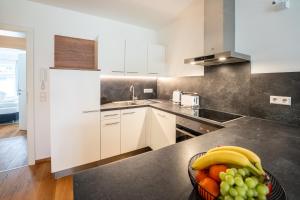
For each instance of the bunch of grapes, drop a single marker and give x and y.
(240, 184)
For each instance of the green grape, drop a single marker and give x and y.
(238, 198)
(235, 170)
(242, 172)
(255, 179)
(222, 175)
(247, 171)
(229, 179)
(255, 194)
(251, 198)
(250, 182)
(225, 186)
(238, 175)
(220, 198)
(223, 192)
(262, 189)
(238, 181)
(227, 197)
(233, 192)
(230, 172)
(262, 197)
(250, 193)
(241, 191)
(245, 187)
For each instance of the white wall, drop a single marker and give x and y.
(270, 36)
(47, 21)
(184, 38)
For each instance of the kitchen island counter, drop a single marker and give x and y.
(162, 174)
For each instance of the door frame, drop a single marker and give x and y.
(29, 87)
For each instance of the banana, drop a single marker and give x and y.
(224, 157)
(252, 157)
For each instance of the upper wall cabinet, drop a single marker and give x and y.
(130, 57)
(111, 54)
(156, 59)
(135, 57)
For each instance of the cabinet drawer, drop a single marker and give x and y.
(110, 114)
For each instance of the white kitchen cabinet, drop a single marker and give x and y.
(133, 129)
(163, 129)
(135, 58)
(110, 137)
(111, 55)
(156, 60)
(74, 118)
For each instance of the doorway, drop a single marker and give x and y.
(13, 100)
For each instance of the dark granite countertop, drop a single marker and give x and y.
(162, 174)
(163, 105)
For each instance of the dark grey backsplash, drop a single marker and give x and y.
(275, 84)
(232, 88)
(223, 88)
(117, 89)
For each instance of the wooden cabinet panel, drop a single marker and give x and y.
(74, 53)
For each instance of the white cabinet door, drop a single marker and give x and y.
(163, 129)
(74, 118)
(111, 56)
(156, 59)
(110, 137)
(133, 129)
(135, 58)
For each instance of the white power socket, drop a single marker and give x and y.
(149, 90)
(281, 100)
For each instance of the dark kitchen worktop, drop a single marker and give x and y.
(163, 105)
(162, 174)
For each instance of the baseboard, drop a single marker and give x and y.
(74, 170)
(43, 160)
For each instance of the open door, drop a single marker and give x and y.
(21, 90)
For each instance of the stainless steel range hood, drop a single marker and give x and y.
(219, 35)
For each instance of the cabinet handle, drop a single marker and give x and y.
(111, 115)
(152, 73)
(128, 113)
(90, 111)
(132, 72)
(118, 71)
(110, 124)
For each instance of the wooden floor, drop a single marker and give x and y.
(10, 130)
(13, 147)
(34, 183)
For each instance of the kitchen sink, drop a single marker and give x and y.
(134, 103)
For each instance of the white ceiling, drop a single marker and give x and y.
(146, 13)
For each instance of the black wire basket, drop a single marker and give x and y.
(277, 192)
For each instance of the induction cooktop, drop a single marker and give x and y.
(215, 115)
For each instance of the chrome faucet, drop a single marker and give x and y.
(132, 90)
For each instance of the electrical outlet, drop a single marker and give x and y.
(281, 100)
(150, 90)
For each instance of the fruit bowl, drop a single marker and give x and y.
(277, 192)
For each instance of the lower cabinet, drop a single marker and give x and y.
(110, 137)
(162, 129)
(127, 130)
(133, 129)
